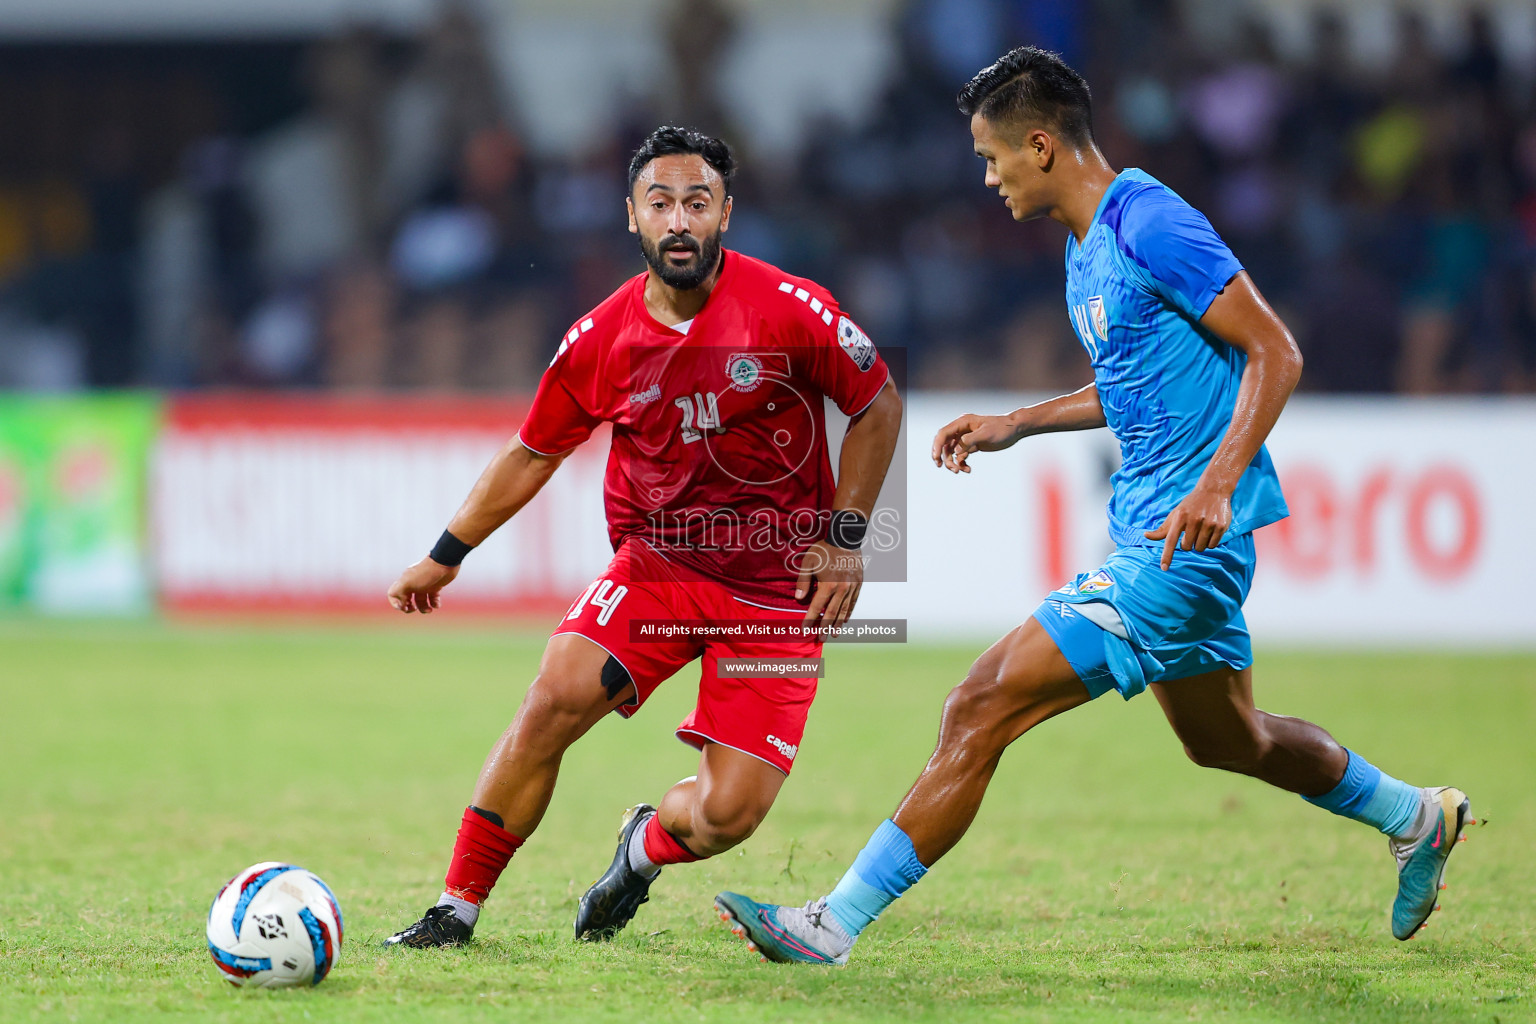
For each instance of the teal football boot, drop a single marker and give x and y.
(786, 935)
(1421, 857)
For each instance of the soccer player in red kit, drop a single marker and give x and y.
(711, 367)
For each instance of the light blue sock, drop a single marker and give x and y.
(1368, 794)
(884, 869)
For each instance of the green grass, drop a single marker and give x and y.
(1106, 878)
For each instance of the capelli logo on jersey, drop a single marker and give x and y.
(650, 394)
(789, 750)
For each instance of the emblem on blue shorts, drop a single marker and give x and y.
(1095, 583)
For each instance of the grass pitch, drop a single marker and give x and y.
(1106, 878)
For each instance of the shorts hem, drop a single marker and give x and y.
(683, 734)
(769, 607)
(1097, 683)
(1246, 663)
(628, 708)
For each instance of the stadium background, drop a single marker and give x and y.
(275, 281)
(276, 278)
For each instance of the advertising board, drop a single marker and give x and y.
(1408, 525)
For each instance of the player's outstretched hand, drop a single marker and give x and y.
(1201, 519)
(418, 587)
(953, 444)
(839, 575)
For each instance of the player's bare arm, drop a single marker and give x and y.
(1240, 317)
(509, 482)
(862, 464)
(954, 443)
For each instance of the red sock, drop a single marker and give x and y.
(480, 854)
(662, 847)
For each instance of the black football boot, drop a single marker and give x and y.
(613, 899)
(439, 926)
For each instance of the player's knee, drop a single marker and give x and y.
(572, 678)
(718, 827)
(962, 712)
(560, 700)
(975, 711)
(544, 727)
(1239, 753)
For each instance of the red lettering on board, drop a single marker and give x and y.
(1054, 561)
(1331, 523)
(1438, 485)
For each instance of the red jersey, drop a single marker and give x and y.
(719, 457)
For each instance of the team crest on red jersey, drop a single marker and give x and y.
(745, 371)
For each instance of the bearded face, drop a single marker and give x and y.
(678, 210)
(682, 261)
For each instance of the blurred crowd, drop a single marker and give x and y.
(377, 219)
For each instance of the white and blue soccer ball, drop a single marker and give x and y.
(274, 925)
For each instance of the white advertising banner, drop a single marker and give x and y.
(1410, 519)
(303, 504)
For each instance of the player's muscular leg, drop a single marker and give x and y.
(722, 805)
(566, 699)
(1018, 683)
(1214, 717)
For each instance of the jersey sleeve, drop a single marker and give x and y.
(559, 419)
(1181, 257)
(842, 361)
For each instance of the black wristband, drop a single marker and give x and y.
(449, 550)
(846, 530)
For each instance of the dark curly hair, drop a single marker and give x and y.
(1030, 87)
(669, 141)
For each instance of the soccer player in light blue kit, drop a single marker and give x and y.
(1191, 369)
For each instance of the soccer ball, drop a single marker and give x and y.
(274, 925)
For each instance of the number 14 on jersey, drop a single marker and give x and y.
(700, 413)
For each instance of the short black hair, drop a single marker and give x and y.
(1028, 87)
(670, 141)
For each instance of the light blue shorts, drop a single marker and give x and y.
(1129, 623)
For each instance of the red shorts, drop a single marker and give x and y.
(764, 717)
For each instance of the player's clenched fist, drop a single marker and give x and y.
(418, 587)
(953, 444)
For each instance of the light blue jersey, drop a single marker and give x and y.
(1137, 286)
